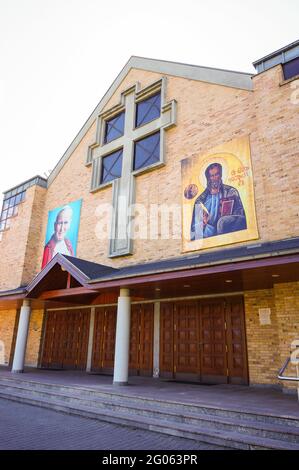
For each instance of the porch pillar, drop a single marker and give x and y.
(21, 342)
(122, 340)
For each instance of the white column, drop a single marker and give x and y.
(90, 339)
(156, 359)
(122, 340)
(21, 342)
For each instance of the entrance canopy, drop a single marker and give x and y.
(70, 280)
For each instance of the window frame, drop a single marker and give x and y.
(138, 102)
(102, 183)
(154, 165)
(105, 123)
(10, 210)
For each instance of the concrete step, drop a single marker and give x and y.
(272, 431)
(124, 397)
(124, 410)
(231, 440)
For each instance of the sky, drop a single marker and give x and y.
(59, 57)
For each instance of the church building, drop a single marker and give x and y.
(165, 242)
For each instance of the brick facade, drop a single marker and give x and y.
(208, 115)
(7, 325)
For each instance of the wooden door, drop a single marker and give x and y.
(141, 340)
(167, 339)
(104, 340)
(236, 341)
(76, 339)
(179, 340)
(214, 365)
(186, 341)
(204, 340)
(66, 339)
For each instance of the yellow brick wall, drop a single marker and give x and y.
(18, 244)
(7, 323)
(287, 311)
(269, 345)
(208, 115)
(34, 338)
(203, 112)
(262, 340)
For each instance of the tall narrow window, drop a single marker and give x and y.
(148, 110)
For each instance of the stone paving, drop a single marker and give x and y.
(24, 427)
(234, 397)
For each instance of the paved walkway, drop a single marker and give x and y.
(27, 427)
(234, 397)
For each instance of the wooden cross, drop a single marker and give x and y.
(121, 242)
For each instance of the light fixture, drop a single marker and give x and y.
(228, 280)
(157, 289)
(186, 285)
(275, 275)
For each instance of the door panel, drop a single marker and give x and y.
(141, 339)
(66, 339)
(104, 340)
(204, 340)
(146, 340)
(186, 340)
(213, 341)
(236, 341)
(166, 339)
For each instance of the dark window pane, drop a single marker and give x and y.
(148, 110)
(4, 215)
(5, 204)
(18, 198)
(12, 201)
(10, 212)
(291, 69)
(147, 151)
(111, 166)
(114, 128)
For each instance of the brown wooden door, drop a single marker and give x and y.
(204, 340)
(141, 340)
(236, 341)
(66, 339)
(213, 342)
(179, 340)
(186, 341)
(104, 340)
(167, 339)
(76, 339)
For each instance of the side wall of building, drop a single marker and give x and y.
(269, 346)
(34, 338)
(7, 326)
(18, 244)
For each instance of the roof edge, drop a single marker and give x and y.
(239, 80)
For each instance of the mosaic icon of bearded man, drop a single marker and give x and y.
(58, 242)
(218, 209)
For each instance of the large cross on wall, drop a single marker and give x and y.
(129, 141)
